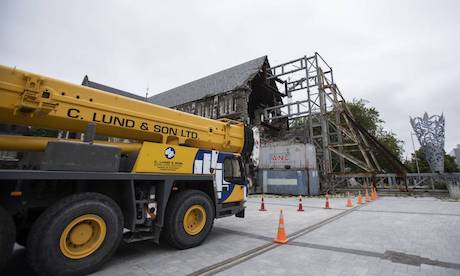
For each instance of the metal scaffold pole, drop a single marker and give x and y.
(319, 108)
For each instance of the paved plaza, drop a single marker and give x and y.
(390, 236)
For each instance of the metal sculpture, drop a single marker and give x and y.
(430, 134)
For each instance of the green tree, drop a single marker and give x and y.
(449, 163)
(369, 118)
(422, 163)
(390, 140)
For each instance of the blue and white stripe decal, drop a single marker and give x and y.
(202, 165)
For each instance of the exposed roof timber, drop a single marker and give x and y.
(233, 78)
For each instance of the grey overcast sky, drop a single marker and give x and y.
(401, 56)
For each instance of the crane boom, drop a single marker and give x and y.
(39, 101)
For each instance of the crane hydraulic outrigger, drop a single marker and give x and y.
(75, 199)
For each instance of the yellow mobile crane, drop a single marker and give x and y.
(71, 201)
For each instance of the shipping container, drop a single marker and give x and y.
(282, 155)
(289, 182)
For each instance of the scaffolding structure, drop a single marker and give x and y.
(316, 108)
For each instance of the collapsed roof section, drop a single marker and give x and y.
(233, 78)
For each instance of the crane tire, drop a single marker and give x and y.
(189, 219)
(75, 236)
(7, 237)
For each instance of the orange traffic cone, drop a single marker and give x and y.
(373, 194)
(281, 234)
(300, 209)
(349, 203)
(360, 198)
(262, 204)
(367, 197)
(327, 206)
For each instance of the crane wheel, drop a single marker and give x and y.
(189, 219)
(75, 236)
(7, 237)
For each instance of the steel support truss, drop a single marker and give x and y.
(316, 107)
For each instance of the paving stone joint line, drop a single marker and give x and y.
(393, 256)
(228, 263)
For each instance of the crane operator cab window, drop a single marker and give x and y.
(234, 184)
(232, 170)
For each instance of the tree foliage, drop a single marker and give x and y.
(449, 163)
(389, 139)
(369, 118)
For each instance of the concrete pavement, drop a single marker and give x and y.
(391, 236)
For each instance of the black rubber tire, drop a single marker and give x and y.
(7, 237)
(43, 251)
(174, 233)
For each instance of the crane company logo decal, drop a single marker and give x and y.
(119, 121)
(168, 165)
(170, 153)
